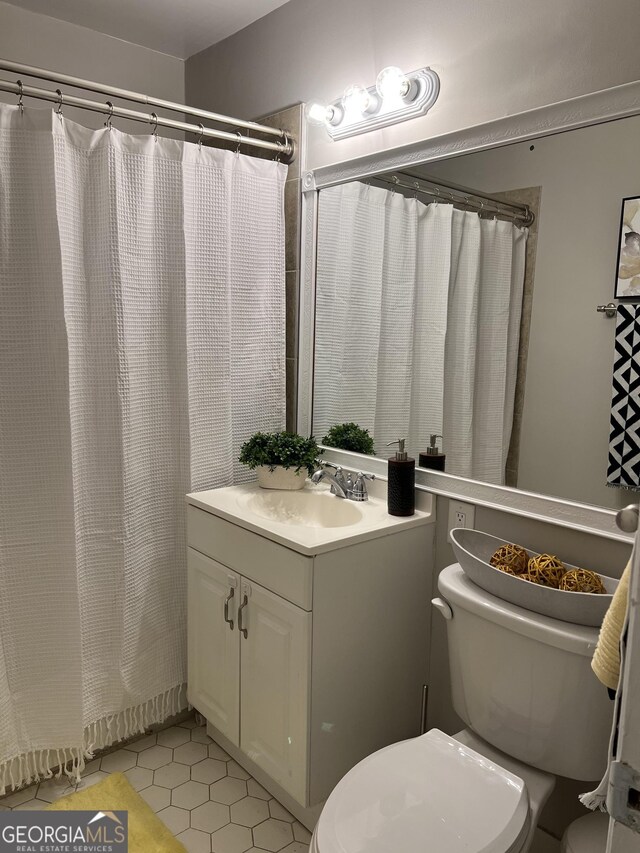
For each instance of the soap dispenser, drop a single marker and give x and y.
(401, 484)
(433, 458)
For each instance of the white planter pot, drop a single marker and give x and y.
(281, 478)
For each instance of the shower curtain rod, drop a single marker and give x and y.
(284, 148)
(452, 194)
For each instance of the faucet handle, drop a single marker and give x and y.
(359, 491)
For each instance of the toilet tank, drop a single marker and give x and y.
(524, 683)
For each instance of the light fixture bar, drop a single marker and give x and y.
(397, 97)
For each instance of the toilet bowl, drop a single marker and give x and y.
(519, 682)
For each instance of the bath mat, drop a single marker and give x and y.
(147, 833)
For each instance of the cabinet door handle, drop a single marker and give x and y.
(226, 609)
(242, 630)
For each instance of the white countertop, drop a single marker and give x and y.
(234, 504)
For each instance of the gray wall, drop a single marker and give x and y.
(495, 58)
(34, 39)
(583, 174)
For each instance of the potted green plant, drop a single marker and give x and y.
(351, 437)
(282, 459)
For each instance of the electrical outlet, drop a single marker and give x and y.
(460, 515)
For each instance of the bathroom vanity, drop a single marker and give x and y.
(308, 630)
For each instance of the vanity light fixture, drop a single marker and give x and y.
(396, 97)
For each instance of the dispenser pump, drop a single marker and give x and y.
(432, 450)
(401, 453)
(432, 457)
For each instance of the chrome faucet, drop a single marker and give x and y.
(338, 488)
(342, 486)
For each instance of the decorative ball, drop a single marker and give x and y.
(582, 580)
(511, 555)
(547, 570)
(502, 567)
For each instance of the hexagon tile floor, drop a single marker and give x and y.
(205, 798)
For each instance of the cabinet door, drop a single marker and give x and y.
(213, 680)
(275, 674)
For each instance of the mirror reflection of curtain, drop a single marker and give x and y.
(417, 325)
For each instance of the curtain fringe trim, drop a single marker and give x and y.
(42, 764)
(623, 487)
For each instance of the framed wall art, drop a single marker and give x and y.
(628, 267)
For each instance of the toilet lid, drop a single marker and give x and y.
(430, 793)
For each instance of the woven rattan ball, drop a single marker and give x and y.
(582, 580)
(511, 555)
(546, 570)
(508, 570)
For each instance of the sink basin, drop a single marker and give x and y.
(311, 520)
(307, 509)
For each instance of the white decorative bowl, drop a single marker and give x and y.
(474, 549)
(281, 478)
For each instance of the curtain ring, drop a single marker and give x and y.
(279, 152)
(60, 100)
(154, 122)
(107, 123)
(199, 140)
(20, 89)
(239, 135)
(416, 189)
(288, 140)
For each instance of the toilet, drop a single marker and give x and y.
(523, 685)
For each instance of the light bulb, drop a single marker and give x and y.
(356, 101)
(317, 113)
(323, 115)
(393, 83)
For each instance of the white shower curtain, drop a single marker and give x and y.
(417, 325)
(141, 342)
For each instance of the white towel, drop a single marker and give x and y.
(608, 665)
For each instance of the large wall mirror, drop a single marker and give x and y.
(443, 309)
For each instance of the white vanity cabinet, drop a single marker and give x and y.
(303, 663)
(246, 643)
